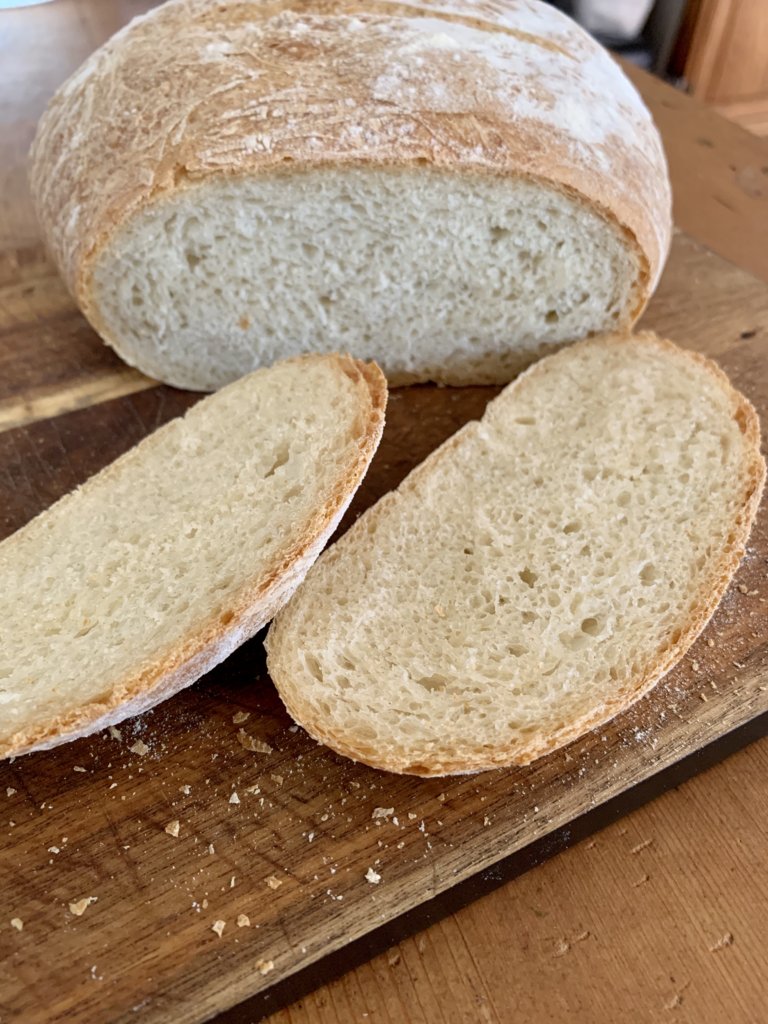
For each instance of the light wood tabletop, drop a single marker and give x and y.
(664, 914)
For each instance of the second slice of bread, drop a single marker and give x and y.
(537, 574)
(137, 583)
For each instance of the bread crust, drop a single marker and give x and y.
(250, 610)
(471, 760)
(195, 90)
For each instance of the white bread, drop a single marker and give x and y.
(152, 572)
(451, 187)
(537, 574)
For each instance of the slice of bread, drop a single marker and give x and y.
(537, 574)
(152, 572)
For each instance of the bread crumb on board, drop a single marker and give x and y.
(372, 876)
(218, 927)
(273, 882)
(80, 906)
(234, 799)
(240, 716)
(253, 744)
(172, 828)
(243, 921)
(17, 923)
(722, 943)
(139, 747)
(382, 812)
(265, 966)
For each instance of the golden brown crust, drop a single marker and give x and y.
(474, 760)
(196, 89)
(256, 604)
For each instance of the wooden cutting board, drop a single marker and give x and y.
(114, 915)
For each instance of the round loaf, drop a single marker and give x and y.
(449, 187)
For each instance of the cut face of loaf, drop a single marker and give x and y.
(537, 574)
(452, 188)
(152, 572)
(466, 279)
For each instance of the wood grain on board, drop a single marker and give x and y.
(633, 925)
(708, 839)
(287, 838)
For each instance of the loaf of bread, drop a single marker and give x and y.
(137, 583)
(537, 574)
(451, 187)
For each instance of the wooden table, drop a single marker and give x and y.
(664, 913)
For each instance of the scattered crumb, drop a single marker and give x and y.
(372, 876)
(139, 747)
(265, 966)
(172, 828)
(383, 812)
(696, 666)
(641, 881)
(256, 746)
(17, 923)
(10, 791)
(243, 921)
(393, 959)
(440, 798)
(703, 697)
(742, 589)
(234, 799)
(186, 790)
(232, 882)
(562, 947)
(726, 940)
(279, 780)
(253, 789)
(240, 716)
(677, 998)
(581, 937)
(79, 908)
(78, 768)
(412, 816)
(114, 732)
(53, 849)
(274, 882)
(641, 846)
(211, 848)
(218, 927)
(710, 642)
(204, 904)
(486, 820)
